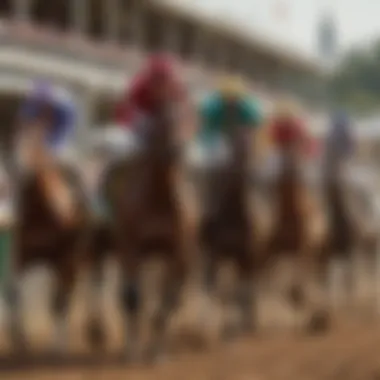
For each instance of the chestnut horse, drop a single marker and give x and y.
(43, 237)
(146, 222)
(290, 236)
(227, 232)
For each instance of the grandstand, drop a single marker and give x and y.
(94, 46)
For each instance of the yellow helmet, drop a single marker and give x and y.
(232, 87)
(287, 108)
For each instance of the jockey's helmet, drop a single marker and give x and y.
(42, 92)
(160, 66)
(286, 108)
(232, 87)
(340, 119)
(49, 102)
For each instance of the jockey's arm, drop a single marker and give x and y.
(207, 120)
(186, 117)
(305, 138)
(30, 134)
(30, 144)
(251, 118)
(124, 105)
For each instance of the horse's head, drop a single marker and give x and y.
(159, 137)
(237, 140)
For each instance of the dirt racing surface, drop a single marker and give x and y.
(350, 351)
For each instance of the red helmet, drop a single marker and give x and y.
(160, 66)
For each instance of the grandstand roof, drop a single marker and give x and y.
(223, 27)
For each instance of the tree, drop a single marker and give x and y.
(356, 82)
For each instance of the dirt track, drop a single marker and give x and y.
(350, 351)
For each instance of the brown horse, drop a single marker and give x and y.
(146, 221)
(290, 236)
(42, 236)
(226, 231)
(349, 237)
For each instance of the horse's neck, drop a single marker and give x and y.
(289, 181)
(233, 189)
(34, 201)
(289, 167)
(334, 191)
(236, 193)
(336, 203)
(289, 157)
(158, 177)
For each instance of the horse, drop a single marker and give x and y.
(290, 236)
(349, 236)
(44, 236)
(226, 231)
(146, 222)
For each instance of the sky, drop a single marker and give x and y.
(358, 21)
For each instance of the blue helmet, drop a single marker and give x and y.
(340, 119)
(63, 107)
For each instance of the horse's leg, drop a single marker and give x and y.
(353, 275)
(130, 298)
(368, 285)
(95, 328)
(297, 293)
(12, 294)
(65, 275)
(312, 293)
(372, 270)
(244, 298)
(323, 268)
(173, 286)
(209, 276)
(336, 278)
(349, 266)
(376, 270)
(210, 273)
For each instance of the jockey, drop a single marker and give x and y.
(340, 140)
(214, 123)
(50, 113)
(47, 120)
(339, 145)
(287, 130)
(210, 150)
(157, 82)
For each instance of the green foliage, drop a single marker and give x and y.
(356, 82)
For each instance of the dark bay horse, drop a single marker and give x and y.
(227, 231)
(349, 236)
(146, 222)
(43, 236)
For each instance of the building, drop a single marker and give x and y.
(94, 46)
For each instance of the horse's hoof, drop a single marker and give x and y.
(155, 356)
(319, 322)
(229, 334)
(296, 296)
(55, 354)
(20, 349)
(130, 356)
(249, 328)
(96, 336)
(18, 341)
